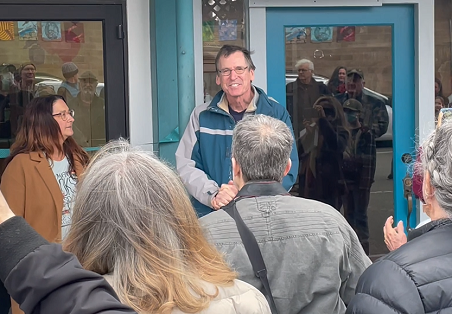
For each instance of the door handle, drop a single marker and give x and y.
(408, 189)
(408, 194)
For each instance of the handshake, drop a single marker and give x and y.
(225, 195)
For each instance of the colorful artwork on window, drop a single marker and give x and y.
(6, 30)
(346, 33)
(228, 30)
(295, 35)
(74, 32)
(51, 31)
(27, 30)
(321, 34)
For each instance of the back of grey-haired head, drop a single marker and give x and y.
(261, 145)
(126, 195)
(436, 158)
(304, 61)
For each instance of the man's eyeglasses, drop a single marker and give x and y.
(303, 70)
(227, 72)
(65, 115)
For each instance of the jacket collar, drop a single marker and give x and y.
(259, 99)
(261, 188)
(435, 224)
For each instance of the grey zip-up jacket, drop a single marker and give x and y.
(313, 256)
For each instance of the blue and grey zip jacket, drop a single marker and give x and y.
(203, 158)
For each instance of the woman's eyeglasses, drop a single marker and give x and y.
(65, 114)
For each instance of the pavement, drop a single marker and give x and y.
(381, 204)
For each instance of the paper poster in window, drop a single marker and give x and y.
(28, 30)
(51, 31)
(6, 30)
(346, 33)
(321, 34)
(295, 35)
(228, 30)
(74, 32)
(208, 31)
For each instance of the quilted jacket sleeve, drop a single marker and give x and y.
(39, 275)
(385, 288)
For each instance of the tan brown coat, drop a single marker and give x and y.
(32, 192)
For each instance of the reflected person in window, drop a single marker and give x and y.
(303, 93)
(203, 157)
(336, 83)
(89, 127)
(19, 97)
(320, 150)
(69, 89)
(41, 172)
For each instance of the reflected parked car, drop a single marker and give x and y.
(291, 77)
(55, 82)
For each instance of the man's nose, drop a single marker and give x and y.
(233, 75)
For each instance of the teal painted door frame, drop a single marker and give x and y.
(173, 51)
(401, 18)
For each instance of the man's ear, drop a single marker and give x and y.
(288, 166)
(217, 79)
(236, 171)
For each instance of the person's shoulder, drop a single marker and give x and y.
(269, 105)
(429, 245)
(201, 108)
(305, 211)
(214, 218)
(240, 297)
(21, 163)
(24, 158)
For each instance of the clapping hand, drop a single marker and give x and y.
(394, 237)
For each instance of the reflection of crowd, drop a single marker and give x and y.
(336, 127)
(20, 86)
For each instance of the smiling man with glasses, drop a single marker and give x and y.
(204, 154)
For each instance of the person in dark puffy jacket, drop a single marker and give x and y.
(417, 277)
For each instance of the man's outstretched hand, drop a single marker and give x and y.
(225, 195)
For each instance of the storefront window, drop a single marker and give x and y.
(53, 57)
(443, 51)
(223, 22)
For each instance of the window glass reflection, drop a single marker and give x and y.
(338, 94)
(53, 57)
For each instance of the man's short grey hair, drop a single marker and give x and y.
(304, 61)
(436, 158)
(261, 145)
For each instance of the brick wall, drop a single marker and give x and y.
(87, 55)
